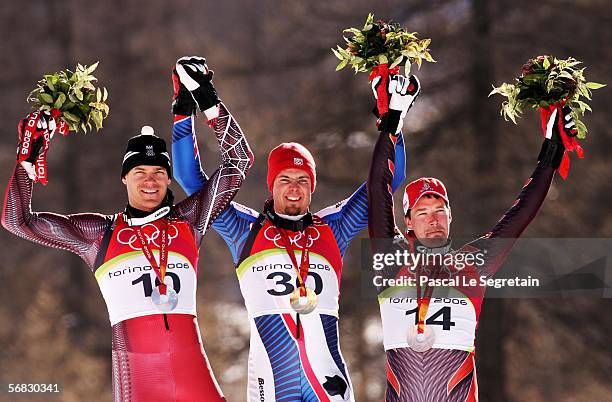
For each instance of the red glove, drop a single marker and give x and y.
(559, 127)
(35, 133)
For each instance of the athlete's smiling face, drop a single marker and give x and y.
(291, 192)
(430, 220)
(146, 186)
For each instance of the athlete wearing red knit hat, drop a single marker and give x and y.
(291, 155)
(289, 264)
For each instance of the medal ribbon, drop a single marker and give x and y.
(422, 304)
(302, 269)
(160, 270)
(423, 298)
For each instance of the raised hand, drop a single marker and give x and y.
(194, 74)
(35, 132)
(403, 92)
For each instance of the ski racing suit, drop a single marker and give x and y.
(447, 371)
(293, 357)
(156, 357)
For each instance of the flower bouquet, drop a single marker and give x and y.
(547, 81)
(72, 97)
(550, 85)
(381, 48)
(64, 101)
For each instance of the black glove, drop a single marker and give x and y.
(197, 78)
(182, 102)
(553, 148)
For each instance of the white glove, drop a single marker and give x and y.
(402, 91)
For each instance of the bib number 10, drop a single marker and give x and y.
(147, 285)
(444, 312)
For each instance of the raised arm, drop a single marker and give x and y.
(350, 216)
(233, 222)
(79, 233)
(380, 194)
(204, 206)
(499, 241)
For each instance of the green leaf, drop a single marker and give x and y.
(594, 85)
(342, 64)
(546, 63)
(396, 61)
(583, 106)
(410, 53)
(352, 30)
(104, 94)
(45, 98)
(67, 106)
(61, 98)
(382, 59)
(92, 68)
(96, 116)
(70, 117)
(337, 54)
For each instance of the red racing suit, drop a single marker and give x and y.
(156, 357)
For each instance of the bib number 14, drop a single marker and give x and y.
(444, 313)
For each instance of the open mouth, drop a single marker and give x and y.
(149, 191)
(293, 198)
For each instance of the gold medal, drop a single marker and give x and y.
(421, 342)
(303, 304)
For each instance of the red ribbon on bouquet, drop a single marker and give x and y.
(570, 143)
(383, 71)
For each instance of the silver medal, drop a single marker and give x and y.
(421, 342)
(164, 303)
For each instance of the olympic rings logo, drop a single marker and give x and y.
(273, 235)
(128, 235)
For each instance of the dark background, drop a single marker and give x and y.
(275, 71)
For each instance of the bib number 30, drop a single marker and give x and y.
(283, 285)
